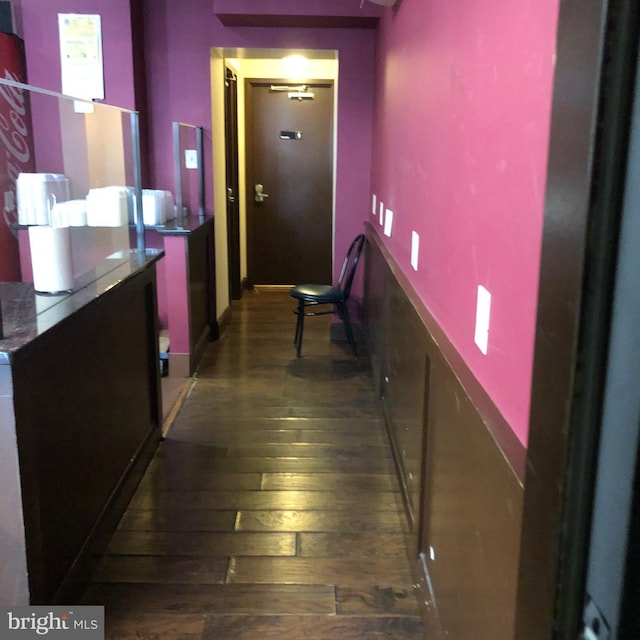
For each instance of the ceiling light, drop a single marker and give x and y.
(295, 66)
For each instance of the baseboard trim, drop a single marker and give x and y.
(224, 321)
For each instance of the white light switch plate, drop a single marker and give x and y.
(190, 159)
(483, 313)
(415, 250)
(388, 222)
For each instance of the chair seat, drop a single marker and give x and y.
(318, 293)
(311, 295)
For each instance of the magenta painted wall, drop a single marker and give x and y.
(179, 37)
(461, 138)
(459, 141)
(40, 27)
(353, 8)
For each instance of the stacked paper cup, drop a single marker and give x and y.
(51, 259)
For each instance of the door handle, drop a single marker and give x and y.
(259, 194)
(230, 196)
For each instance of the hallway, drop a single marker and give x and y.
(272, 508)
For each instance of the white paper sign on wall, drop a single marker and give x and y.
(81, 61)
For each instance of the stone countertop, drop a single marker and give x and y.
(27, 314)
(183, 226)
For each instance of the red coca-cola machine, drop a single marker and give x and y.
(16, 150)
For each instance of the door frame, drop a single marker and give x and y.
(596, 52)
(233, 181)
(264, 63)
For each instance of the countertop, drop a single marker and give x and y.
(182, 226)
(27, 314)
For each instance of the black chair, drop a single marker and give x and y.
(313, 295)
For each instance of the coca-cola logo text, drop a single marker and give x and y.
(14, 135)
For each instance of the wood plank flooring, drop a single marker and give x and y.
(272, 509)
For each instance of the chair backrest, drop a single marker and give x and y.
(349, 265)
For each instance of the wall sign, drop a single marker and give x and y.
(291, 135)
(81, 55)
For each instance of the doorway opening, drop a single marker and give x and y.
(289, 193)
(240, 234)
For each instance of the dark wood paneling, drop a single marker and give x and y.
(470, 535)
(13, 589)
(403, 389)
(87, 432)
(595, 71)
(202, 292)
(460, 463)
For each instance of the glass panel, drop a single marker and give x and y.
(189, 172)
(71, 163)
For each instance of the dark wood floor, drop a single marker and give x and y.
(272, 509)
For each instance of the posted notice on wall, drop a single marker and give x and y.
(81, 55)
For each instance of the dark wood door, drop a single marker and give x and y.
(233, 202)
(289, 153)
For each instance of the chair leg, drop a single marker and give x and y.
(297, 312)
(344, 314)
(299, 327)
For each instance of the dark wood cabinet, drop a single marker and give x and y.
(80, 416)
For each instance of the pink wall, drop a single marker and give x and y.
(42, 50)
(461, 136)
(40, 26)
(459, 153)
(179, 37)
